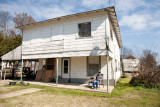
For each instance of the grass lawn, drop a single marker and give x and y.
(122, 95)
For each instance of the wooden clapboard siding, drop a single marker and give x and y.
(79, 67)
(60, 38)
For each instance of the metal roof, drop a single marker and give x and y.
(112, 15)
(15, 54)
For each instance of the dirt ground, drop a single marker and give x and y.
(5, 89)
(18, 93)
(46, 99)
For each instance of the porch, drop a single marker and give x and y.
(72, 86)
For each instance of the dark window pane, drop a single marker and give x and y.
(65, 66)
(65, 62)
(84, 29)
(50, 61)
(65, 70)
(93, 65)
(50, 67)
(93, 69)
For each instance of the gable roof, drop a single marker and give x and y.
(112, 15)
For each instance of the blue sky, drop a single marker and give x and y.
(139, 20)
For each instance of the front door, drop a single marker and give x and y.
(65, 72)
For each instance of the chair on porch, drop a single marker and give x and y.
(101, 83)
(92, 79)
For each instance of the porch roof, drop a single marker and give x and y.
(112, 14)
(15, 54)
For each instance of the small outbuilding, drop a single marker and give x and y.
(130, 66)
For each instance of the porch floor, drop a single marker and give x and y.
(72, 86)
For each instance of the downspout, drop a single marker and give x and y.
(57, 73)
(107, 56)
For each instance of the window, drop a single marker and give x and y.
(84, 29)
(93, 65)
(50, 63)
(65, 66)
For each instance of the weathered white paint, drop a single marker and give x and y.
(6, 65)
(104, 67)
(41, 63)
(115, 49)
(60, 38)
(130, 65)
(79, 67)
(13, 55)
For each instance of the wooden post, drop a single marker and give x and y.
(21, 70)
(35, 64)
(5, 75)
(1, 70)
(31, 66)
(1, 74)
(5, 71)
(57, 73)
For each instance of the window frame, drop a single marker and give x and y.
(87, 64)
(78, 35)
(50, 64)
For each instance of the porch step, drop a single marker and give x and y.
(64, 80)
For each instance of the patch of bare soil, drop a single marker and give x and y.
(4, 89)
(43, 99)
(132, 96)
(18, 93)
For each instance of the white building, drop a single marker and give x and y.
(77, 45)
(130, 65)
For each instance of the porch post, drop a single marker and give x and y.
(57, 73)
(107, 76)
(21, 70)
(5, 71)
(5, 75)
(1, 70)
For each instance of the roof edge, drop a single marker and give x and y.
(58, 18)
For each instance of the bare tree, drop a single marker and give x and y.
(5, 17)
(130, 57)
(125, 52)
(149, 72)
(148, 61)
(23, 19)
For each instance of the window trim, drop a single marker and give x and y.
(78, 36)
(99, 65)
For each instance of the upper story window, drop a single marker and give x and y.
(84, 29)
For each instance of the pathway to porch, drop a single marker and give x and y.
(84, 87)
(18, 93)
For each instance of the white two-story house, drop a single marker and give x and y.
(75, 47)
